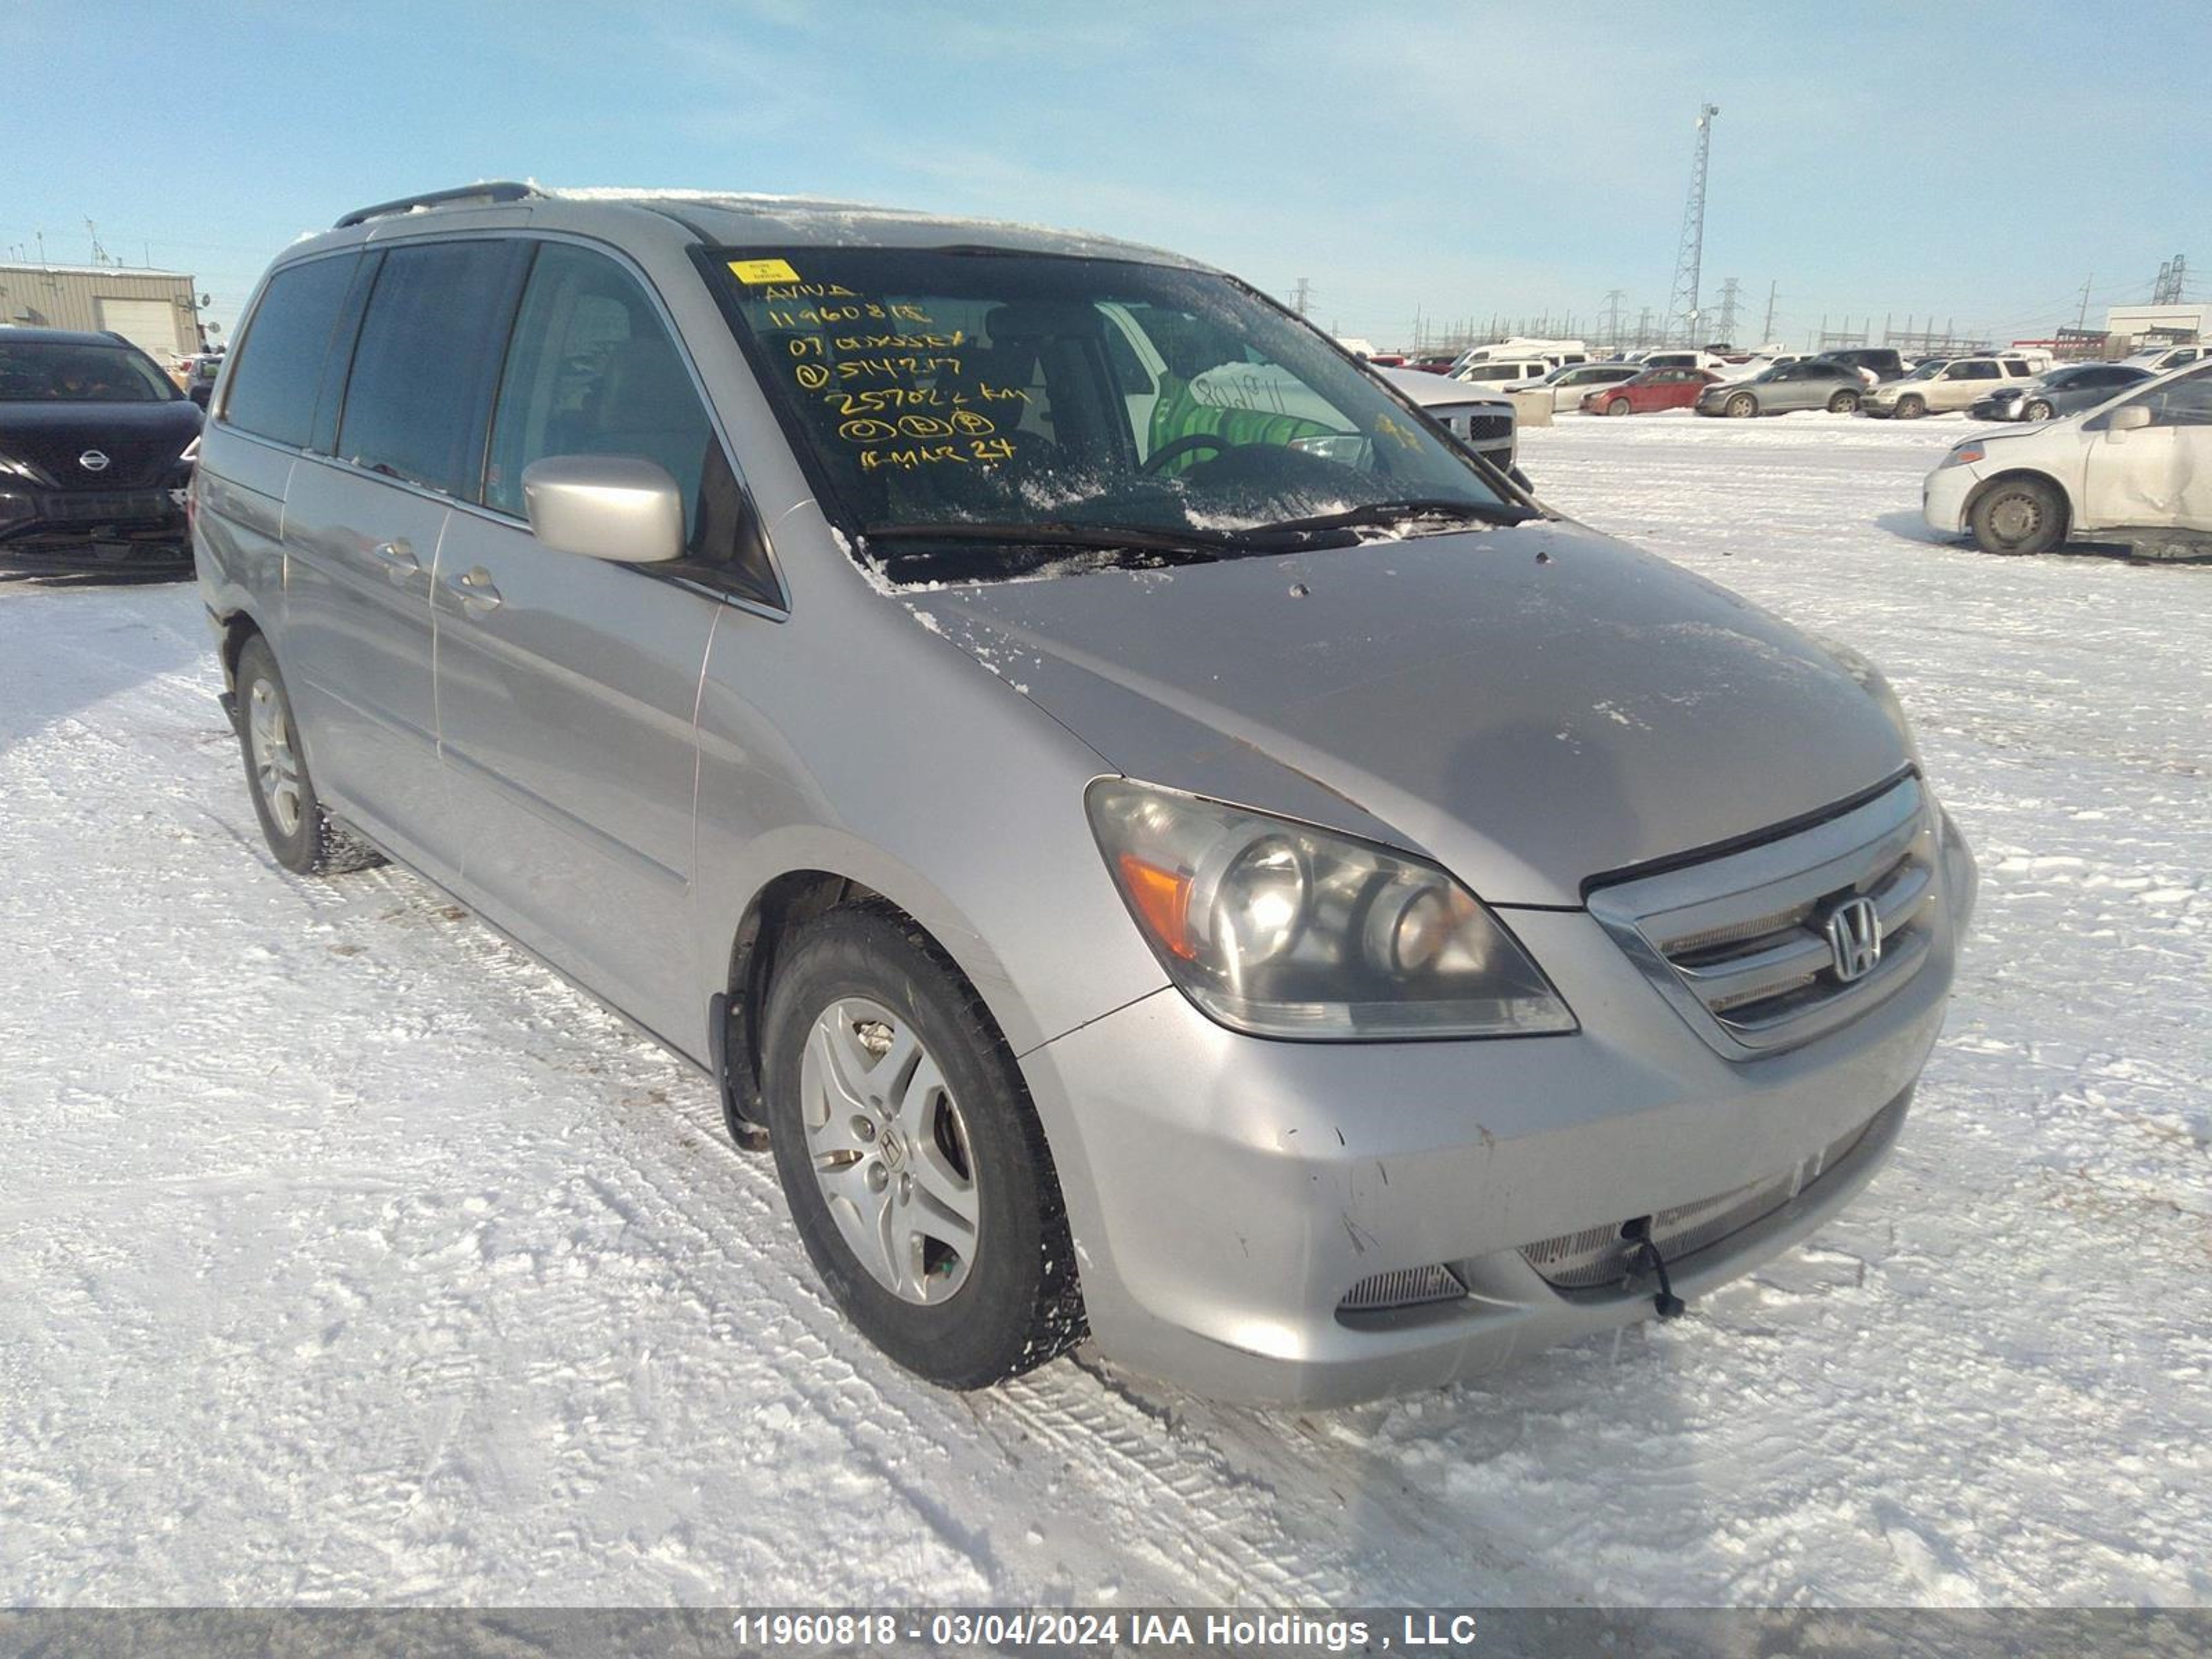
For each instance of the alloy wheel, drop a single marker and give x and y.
(890, 1150)
(275, 762)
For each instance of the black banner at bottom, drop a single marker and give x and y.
(1297, 1633)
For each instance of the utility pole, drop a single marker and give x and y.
(1614, 297)
(1689, 258)
(1299, 297)
(2081, 316)
(1767, 334)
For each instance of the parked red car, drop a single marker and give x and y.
(1655, 388)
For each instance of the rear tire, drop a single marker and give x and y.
(913, 1164)
(304, 838)
(1843, 403)
(1620, 406)
(2018, 516)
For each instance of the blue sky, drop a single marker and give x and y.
(1980, 161)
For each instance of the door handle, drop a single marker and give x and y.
(400, 564)
(473, 588)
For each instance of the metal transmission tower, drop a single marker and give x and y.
(1731, 296)
(1689, 263)
(2171, 275)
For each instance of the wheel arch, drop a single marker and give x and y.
(238, 627)
(783, 902)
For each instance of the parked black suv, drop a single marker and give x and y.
(1881, 361)
(96, 450)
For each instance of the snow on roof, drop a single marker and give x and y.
(36, 270)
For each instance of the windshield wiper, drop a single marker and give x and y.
(1188, 545)
(1391, 513)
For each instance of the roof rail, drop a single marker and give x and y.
(490, 190)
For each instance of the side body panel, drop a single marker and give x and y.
(566, 688)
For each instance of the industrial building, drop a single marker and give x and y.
(157, 311)
(2183, 323)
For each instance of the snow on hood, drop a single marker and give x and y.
(1534, 707)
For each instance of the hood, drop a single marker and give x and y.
(140, 440)
(1532, 706)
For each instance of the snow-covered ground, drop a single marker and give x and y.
(346, 1255)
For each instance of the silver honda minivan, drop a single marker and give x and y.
(1155, 840)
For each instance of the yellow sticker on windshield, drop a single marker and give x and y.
(756, 273)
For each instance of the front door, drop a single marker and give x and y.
(2157, 477)
(567, 686)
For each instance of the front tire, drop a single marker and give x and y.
(2039, 411)
(913, 1164)
(1743, 405)
(1911, 409)
(304, 837)
(2018, 516)
(1620, 406)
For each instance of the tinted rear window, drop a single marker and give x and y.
(280, 365)
(415, 403)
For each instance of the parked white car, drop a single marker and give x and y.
(1942, 387)
(1711, 361)
(1571, 384)
(1504, 373)
(1481, 419)
(2137, 469)
(2160, 358)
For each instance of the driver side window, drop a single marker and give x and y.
(592, 371)
(2185, 402)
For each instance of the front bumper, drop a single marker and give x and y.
(1228, 1193)
(1944, 496)
(93, 530)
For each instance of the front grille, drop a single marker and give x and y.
(131, 461)
(1483, 429)
(1738, 943)
(1597, 1258)
(103, 506)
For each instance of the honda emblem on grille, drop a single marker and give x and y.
(93, 461)
(1854, 929)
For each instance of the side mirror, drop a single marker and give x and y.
(2133, 418)
(619, 507)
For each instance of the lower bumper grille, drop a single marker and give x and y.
(104, 505)
(1409, 1287)
(1599, 1258)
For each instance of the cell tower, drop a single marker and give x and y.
(1689, 264)
(2171, 276)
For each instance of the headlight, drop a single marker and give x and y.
(1964, 454)
(1278, 928)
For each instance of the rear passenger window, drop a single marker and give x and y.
(413, 403)
(592, 371)
(279, 371)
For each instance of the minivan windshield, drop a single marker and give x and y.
(979, 412)
(74, 372)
